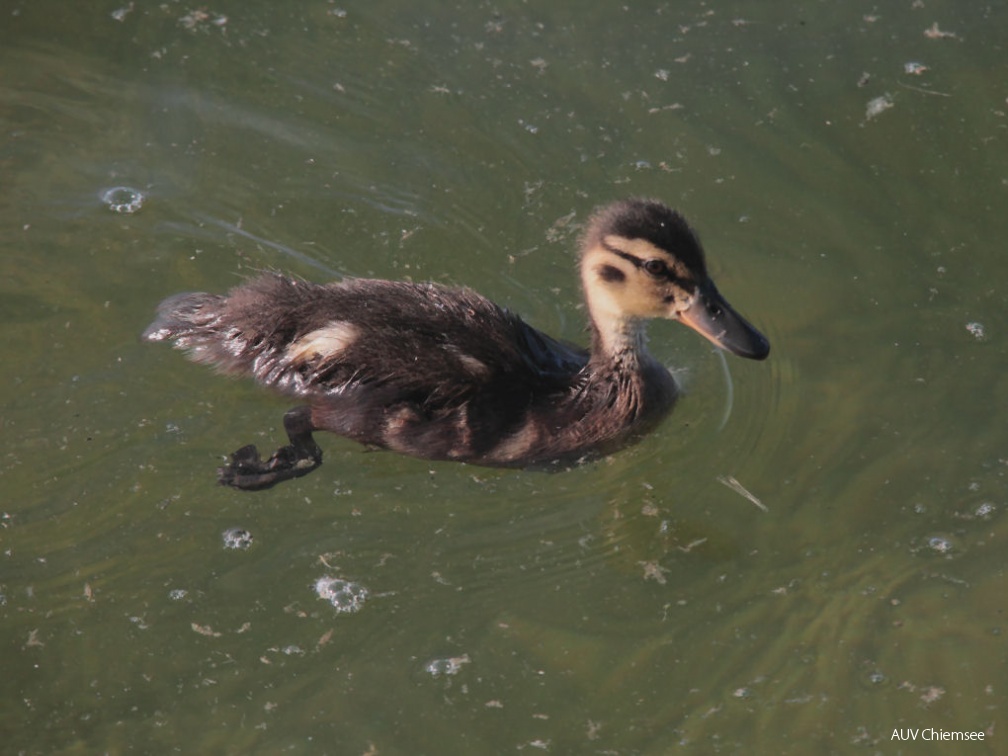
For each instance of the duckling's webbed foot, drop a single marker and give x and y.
(249, 472)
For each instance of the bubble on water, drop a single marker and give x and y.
(123, 199)
(985, 510)
(876, 678)
(236, 538)
(939, 544)
(448, 666)
(872, 678)
(977, 329)
(177, 594)
(346, 596)
(877, 106)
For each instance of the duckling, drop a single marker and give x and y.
(444, 373)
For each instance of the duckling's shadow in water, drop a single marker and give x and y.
(689, 372)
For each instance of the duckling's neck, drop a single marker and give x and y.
(621, 342)
(617, 337)
(636, 389)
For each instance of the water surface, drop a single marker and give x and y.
(851, 206)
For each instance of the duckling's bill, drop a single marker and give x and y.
(712, 317)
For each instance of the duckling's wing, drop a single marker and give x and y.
(436, 345)
(549, 357)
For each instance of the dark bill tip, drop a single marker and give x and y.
(713, 318)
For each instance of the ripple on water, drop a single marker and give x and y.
(123, 199)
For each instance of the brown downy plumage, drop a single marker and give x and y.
(444, 373)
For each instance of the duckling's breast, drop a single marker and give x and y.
(514, 426)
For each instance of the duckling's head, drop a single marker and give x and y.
(641, 260)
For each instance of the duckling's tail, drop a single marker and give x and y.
(244, 332)
(193, 321)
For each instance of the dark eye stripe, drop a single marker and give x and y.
(637, 262)
(625, 255)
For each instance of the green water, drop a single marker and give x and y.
(634, 606)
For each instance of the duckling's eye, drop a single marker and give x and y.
(656, 267)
